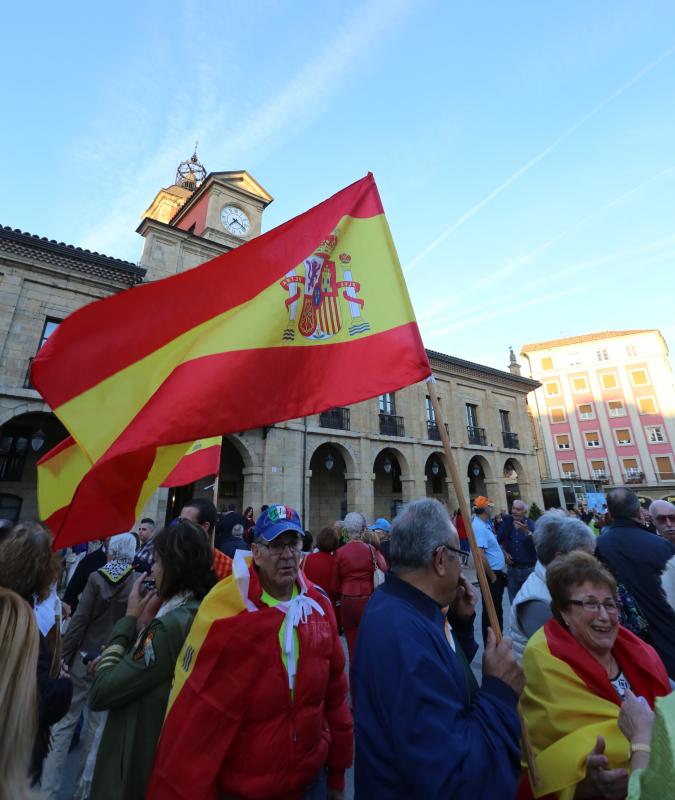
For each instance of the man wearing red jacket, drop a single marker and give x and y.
(259, 703)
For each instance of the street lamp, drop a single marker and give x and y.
(387, 465)
(435, 468)
(329, 463)
(38, 440)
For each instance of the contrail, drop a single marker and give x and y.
(536, 159)
(529, 258)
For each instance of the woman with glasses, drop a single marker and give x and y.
(578, 668)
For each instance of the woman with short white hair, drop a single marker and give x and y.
(555, 534)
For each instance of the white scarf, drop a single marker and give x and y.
(174, 602)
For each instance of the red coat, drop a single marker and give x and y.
(354, 568)
(320, 569)
(234, 730)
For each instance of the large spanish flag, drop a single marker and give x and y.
(312, 315)
(568, 702)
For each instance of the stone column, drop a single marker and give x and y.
(359, 494)
(253, 487)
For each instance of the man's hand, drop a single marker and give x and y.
(66, 611)
(507, 556)
(466, 598)
(499, 661)
(600, 781)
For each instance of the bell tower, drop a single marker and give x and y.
(189, 177)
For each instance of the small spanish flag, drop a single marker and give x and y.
(64, 467)
(312, 315)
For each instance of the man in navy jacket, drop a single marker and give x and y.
(423, 727)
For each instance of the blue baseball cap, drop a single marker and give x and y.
(380, 524)
(276, 520)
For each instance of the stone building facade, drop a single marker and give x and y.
(370, 457)
(41, 282)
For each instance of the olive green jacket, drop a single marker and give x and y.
(133, 681)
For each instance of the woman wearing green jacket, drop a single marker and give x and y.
(135, 671)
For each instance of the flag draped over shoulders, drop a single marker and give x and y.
(311, 315)
(568, 701)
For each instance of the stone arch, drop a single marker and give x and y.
(38, 407)
(392, 482)
(344, 449)
(329, 464)
(479, 473)
(246, 456)
(27, 433)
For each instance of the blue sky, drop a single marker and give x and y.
(524, 151)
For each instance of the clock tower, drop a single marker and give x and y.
(199, 217)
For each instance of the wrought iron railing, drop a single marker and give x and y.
(476, 435)
(433, 431)
(336, 418)
(11, 466)
(510, 440)
(391, 425)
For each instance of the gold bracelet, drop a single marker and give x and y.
(638, 747)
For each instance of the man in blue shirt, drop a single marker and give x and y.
(515, 537)
(493, 559)
(424, 730)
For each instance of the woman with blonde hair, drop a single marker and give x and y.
(18, 663)
(29, 567)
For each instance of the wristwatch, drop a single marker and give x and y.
(638, 747)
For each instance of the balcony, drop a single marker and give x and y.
(391, 425)
(476, 435)
(510, 440)
(570, 476)
(600, 475)
(336, 418)
(433, 432)
(634, 476)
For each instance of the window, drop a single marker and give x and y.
(631, 468)
(552, 388)
(602, 355)
(569, 469)
(638, 377)
(623, 436)
(586, 411)
(664, 468)
(547, 362)
(562, 441)
(431, 414)
(631, 350)
(616, 409)
(646, 405)
(598, 469)
(13, 451)
(592, 439)
(609, 380)
(557, 414)
(471, 415)
(50, 326)
(505, 421)
(387, 403)
(579, 384)
(655, 434)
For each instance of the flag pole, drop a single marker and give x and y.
(488, 602)
(216, 485)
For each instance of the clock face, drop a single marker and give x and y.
(235, 221)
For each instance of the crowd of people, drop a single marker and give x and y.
(205, 659)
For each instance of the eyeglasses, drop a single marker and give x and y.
(593, 606)
(463, 555)
(277, 548)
